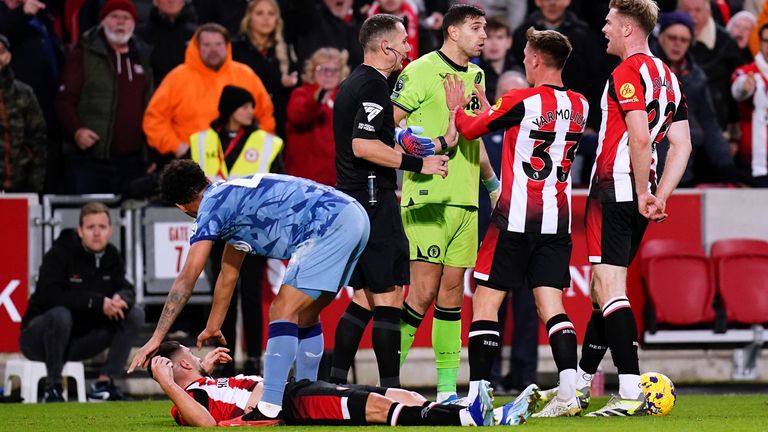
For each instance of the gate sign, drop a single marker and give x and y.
(171, 248)
(13, 271)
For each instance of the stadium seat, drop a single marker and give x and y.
(678, 282)
(31, 372)
(742, 279)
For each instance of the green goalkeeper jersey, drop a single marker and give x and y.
(419, 92)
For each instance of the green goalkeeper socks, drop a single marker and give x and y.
(446, 342)
(409, 323)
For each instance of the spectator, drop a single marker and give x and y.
(86, 13)
(431, 23)
(312, 24)
(496, 57)
(749, 88)
(246, 150)
(22, 131)
(82, 305)
(104, 90)
(37, 59)
(711, 160)
(171, 25)
(185, 102)
(717, 54)
(228, 13)
(524, 352)
(584, 70)
(261, 46)
(310, 151)
(740, 27)
(513, 11)
(410, 18)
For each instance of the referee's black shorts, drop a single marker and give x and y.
(385, 260)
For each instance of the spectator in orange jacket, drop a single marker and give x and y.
(186, 100)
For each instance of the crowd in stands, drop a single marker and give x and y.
(97, 95)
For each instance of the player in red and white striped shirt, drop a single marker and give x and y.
(200, 400)
(529, 241)
(750, 88)
(642, 103)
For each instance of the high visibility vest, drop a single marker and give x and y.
(260, 150)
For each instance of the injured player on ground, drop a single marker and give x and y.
(200, 400)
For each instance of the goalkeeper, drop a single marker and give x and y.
(440, 215)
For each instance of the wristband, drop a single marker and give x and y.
(443, 143)
(492, 183)
(411, 163)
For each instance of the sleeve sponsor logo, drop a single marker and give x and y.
(627, 90)
(399, 86)
(366, 127)
(495, 107)
(371, 109)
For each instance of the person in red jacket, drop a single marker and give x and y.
(310, 151)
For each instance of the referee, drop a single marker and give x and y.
(366, 159)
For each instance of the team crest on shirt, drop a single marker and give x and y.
(251, 155)
(433, 251)
(627, 90)
(193, 230)
(478, 78)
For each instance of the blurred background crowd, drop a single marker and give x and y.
(97, 95)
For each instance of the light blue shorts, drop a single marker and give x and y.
(324, 264)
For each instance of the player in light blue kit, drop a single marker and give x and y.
(320, 229)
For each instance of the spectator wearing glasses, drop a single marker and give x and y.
(711, 159)
(310, 150)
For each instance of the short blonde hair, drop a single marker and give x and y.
(324, 55)
(644, 12)
(94, 208)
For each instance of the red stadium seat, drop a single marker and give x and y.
(742, 279)
(678, 281)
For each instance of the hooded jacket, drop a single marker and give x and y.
(186, 101)
(23, 143)
(70, 277)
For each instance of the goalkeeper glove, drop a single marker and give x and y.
(414, 144)
(493, 185)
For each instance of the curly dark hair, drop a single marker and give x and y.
(181, 181)
(167, 349)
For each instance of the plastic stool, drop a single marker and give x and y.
(31, 372)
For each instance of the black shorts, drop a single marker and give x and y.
(321, 403)
(385, 260)
(511, 260)
(614, 231)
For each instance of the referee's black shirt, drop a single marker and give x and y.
(362, 110)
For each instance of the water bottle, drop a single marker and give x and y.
(372, 190)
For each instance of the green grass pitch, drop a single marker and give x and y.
(699, 413)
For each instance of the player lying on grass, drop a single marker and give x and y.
(200, 400)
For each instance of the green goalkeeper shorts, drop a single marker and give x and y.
(441, 234)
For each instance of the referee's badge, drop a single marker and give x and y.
(251, 155)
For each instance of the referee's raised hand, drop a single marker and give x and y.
(436, 164)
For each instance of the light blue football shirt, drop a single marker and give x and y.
(267, 214)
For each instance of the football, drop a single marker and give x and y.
(659, 393)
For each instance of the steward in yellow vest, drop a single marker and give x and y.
(234, 146)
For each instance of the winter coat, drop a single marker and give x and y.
(187, 99)
(70, 277)
(168, 39)
(310, 150)
(23, 145)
